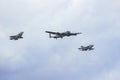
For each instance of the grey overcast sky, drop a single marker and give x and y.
(36, 57)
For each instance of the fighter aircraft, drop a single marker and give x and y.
(61, 35)
(16, 37)
(87, 48)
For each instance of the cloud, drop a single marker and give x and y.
(38, 57)
(113, 74)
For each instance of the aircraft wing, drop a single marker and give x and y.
(12, 37)
(52, 32)
(79, 48)
(77, 33)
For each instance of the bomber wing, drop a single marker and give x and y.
(57, 33)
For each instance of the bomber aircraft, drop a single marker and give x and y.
(61, 35)
(86, 48)
(16, 37)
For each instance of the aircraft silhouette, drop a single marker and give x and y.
(61, 35)
(86, 48)
(16, 37)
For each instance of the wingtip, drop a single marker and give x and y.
(46, 31)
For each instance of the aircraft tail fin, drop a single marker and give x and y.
(50, 36)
